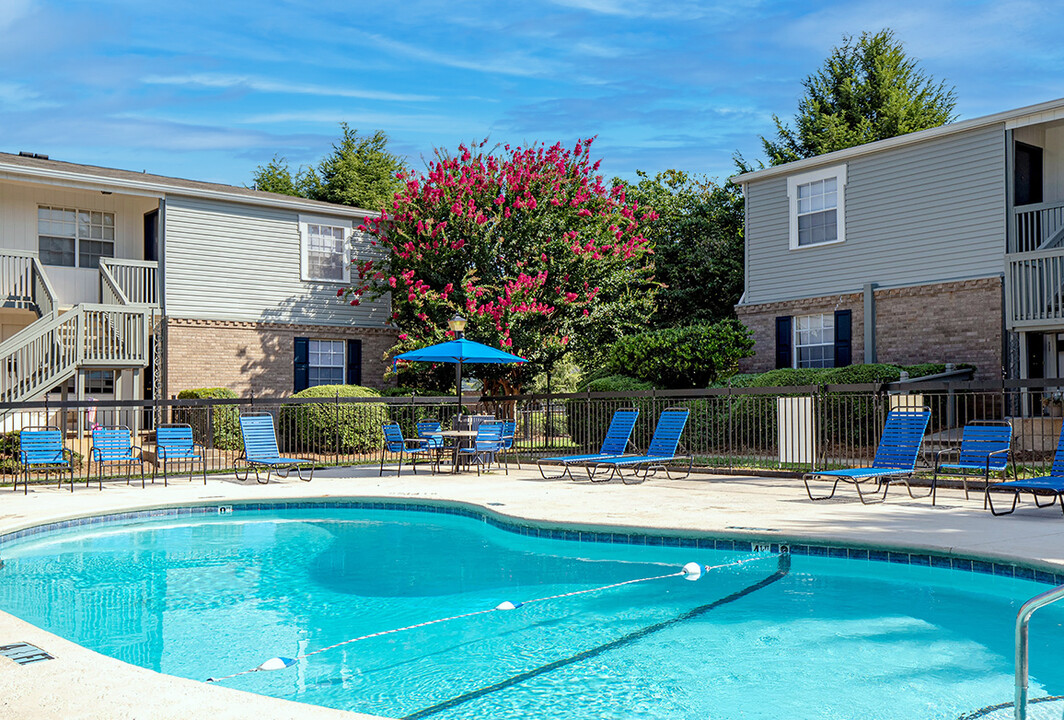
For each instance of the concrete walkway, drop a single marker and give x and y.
(82, 684)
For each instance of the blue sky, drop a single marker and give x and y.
(209, 90)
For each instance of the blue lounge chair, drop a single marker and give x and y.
(1051, 484)
(985, 448)
(397, 445)
(615, 444)
(174, 443)
(896, 456)
(113, 445)
(662, 451)
(260, 450)
(486, 446)
(41, 448)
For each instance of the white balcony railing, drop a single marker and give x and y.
(23, 283)
(1034, 288)
(129, 282)
(1033, 226)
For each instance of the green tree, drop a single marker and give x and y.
(866, 90)
(698, 246)
(359, 172)
(527, 244)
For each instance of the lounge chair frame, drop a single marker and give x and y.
(41, 447)
(260, 451)
(1051, 484)
(617, 442)
(664, 450)
(896, 457)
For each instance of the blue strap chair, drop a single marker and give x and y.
(663, 450)
(509, 431)
(1051, 485)
(42, 449)
(113, 445)
(486, 446)
(896, 457)
(401, 447)
(430, 431)
(174, 443)
(618, 437)
(260, 450)
(985, 448)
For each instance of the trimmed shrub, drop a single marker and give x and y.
(225, 419)
(334, 427)
(683, 357)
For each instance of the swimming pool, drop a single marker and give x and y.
(800, 637)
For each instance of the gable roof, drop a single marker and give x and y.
(43, 170)
(1029, 115)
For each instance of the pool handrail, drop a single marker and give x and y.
(1023, 617)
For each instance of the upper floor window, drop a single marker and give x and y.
(814, 341)
(325, 249)
(74, 238)
(816, 207)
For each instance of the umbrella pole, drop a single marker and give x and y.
(458, 381)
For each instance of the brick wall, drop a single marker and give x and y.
(954, 322)
(761, 319)
(257, 357)
(957, 322)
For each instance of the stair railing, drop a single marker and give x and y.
(44, 296)
(129, 282)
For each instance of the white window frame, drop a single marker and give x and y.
(77, 238)
(794, 337)
(343, 360)
(839, 173)
(304, 240)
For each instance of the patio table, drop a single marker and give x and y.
(459, 436)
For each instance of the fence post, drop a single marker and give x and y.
(336, 434)
(587, 418)
(731, 431)
(210, 425)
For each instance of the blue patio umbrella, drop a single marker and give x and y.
(459, 351)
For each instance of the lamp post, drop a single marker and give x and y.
(457, 325)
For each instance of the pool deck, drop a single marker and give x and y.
(79, 683)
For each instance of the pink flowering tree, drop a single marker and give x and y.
(527, 244)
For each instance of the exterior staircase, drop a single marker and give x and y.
(49, 351)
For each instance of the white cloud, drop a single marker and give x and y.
(13, 10)
(18, 97)
(210, 80)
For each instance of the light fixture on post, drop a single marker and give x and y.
(457, 324)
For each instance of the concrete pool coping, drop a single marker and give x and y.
(80, 683)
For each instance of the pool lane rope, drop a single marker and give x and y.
(691, 571)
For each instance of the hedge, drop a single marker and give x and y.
(331, 426)
(682, 357)
(590, 430)
(225, 418)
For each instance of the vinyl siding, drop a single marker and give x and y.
(916, 214)
(228, 261)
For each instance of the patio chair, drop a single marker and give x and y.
(1051, 484)
(618, 437)
(430, 430)
(509, 431)
(173, 443)
(396, 444)
(486, 446)
(895, 457)
(113, 445)
(985, 448)
(41, 448)
(260, 450)
(662, 451)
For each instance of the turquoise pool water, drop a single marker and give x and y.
(202, 596)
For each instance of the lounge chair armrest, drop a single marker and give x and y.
(946, 451)
(201, 446)
(137, 448)
(1005, 451)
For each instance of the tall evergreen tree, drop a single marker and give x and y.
(866, 90)
(359, 172)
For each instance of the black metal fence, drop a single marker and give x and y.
(777, 429)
